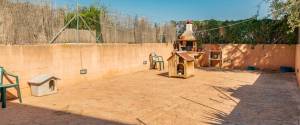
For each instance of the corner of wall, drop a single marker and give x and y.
(298, 58)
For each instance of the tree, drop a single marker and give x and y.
(253, 31)
(289, 9)
(90, 14)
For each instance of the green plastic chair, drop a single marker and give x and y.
(160, 61)
(155, 59)
(11, 84)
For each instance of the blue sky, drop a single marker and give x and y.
(166, 10)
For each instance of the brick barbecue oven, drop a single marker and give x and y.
(187, 41)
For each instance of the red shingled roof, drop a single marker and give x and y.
(184, 55)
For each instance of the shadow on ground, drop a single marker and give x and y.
(19, 114)
(215, 69)
(269, 101)
(164, 74)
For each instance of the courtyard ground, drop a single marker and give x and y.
(211, 97)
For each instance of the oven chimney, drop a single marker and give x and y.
(188, 34)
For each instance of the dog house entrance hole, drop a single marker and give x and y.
(52, 85)
(180, 69)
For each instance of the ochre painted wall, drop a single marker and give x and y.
(298, 63)
(109, 60)
(64, 60)
(239, 56)
(298, 58)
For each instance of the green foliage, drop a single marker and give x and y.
(289, 9)
(90, 14)
(250, 31)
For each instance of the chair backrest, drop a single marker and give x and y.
(160, 58)
(153, 54)
(1, 75)
(155, 58)
(152, 57)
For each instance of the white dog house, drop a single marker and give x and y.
(43, 85)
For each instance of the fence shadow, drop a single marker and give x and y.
(214, 69)
(18, 114)
(164, 74)
(269, 101)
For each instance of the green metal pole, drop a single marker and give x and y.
(3, 97)
(77, 14)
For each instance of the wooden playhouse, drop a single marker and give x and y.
(181, 65)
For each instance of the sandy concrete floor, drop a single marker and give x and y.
(150, 98)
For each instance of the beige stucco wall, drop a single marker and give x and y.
(109, 60)
(64, 60)
(262, 56)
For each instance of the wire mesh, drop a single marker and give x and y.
(24, 22)
(38, 21)
(128, 29)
